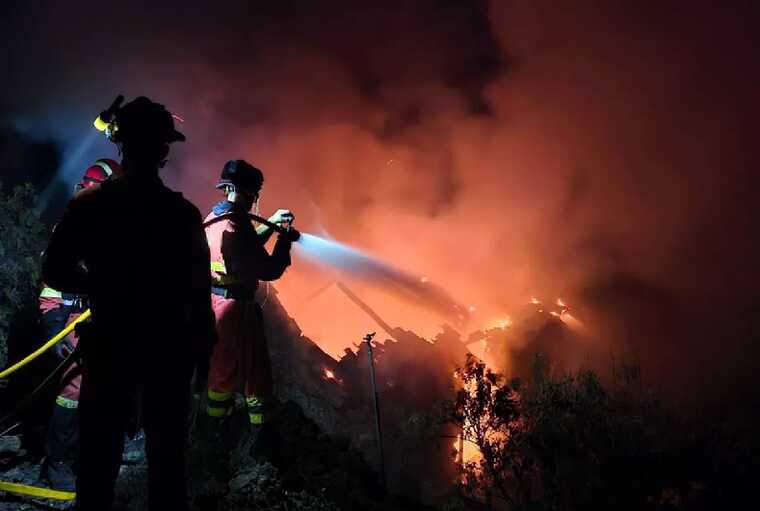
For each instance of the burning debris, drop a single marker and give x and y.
(330, 375)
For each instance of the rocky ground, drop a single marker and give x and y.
(294, 465)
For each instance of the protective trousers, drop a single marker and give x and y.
(240, 359)
(62, 440)
(105, 409)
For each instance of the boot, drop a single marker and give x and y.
(60, 475)
(61, 447)
(134, 448)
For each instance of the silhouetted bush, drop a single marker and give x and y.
(567, 443)
(22, 238)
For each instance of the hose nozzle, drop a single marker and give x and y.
(289, 233)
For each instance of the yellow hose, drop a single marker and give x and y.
(36, 491)
(39, 351)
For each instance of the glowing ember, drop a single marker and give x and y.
(555, 313)
(561, 303)
(534, 300)
(328, 374)
(503, 322)
(424, 279)
(472, 308)
(571, 320)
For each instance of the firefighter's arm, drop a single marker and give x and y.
(261, 264)
(245, 256)
(264, 232)
(62, 260)
(54, 318)
(278, 262)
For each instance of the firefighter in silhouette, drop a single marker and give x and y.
(239, 260)
(138, 251)
(58, 310)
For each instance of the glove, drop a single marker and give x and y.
(64, 348)
(282, 216)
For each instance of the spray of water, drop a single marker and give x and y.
(350, 261)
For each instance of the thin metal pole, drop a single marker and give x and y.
(376, 402)
(461, 453)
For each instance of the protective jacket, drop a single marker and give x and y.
(239, 259)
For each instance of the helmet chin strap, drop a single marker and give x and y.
(240, 198)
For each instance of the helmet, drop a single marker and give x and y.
(140, 120)
(100, 171)
(242, 175)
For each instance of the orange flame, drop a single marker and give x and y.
(470, 451)
(571, 320)
(502, 322)
(327, 374)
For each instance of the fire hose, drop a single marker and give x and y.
(52, 342)
(36, 491)
(288, 231)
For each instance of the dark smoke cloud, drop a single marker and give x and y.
(601, 151)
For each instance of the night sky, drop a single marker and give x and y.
(601, 151)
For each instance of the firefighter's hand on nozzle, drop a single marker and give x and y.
(282, 217)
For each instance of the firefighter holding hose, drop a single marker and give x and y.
(239, 260)
(58, 310)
